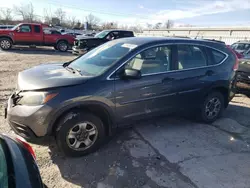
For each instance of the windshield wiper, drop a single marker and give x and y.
(73, 70)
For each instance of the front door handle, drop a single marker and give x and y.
(210, 73)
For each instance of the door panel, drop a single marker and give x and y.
(153, 93)
(192, 75)
(148, 96)
(23, 35)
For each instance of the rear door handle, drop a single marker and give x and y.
(210, 73)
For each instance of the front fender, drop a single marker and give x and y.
(63, 109)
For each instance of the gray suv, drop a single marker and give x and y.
(83, 101)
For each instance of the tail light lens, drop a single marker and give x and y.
(27, 146)
(236, 65)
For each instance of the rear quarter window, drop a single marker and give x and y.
(217, 57)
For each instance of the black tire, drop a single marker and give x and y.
(62, 46)
(5, 43)
(67, 124)
(55, 47)
(204, 113)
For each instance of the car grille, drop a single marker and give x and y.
(243, 77)
(22, 130)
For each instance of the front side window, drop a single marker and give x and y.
(151, 61)
(25, 28)
(190, 56)
(101, 58)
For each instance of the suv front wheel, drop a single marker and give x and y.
(79, 134)
(212, 107)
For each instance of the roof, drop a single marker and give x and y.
(117, 30)
(157, 40)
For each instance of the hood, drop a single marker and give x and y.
(85, 37)
(48, 76)
(6, 31)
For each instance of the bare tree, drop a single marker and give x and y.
(60, 14)
(92, 20)
(26, 11)
(47, 16)
(71, 21)
(149, 26)
(6, 15)
(109, 25)
(158, 25)
(169, 24)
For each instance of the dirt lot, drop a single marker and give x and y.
(167, 152)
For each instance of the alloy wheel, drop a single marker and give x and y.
(5, 44)
(213, 107)
(82, 136)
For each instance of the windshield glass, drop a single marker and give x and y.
(15, 27)
(101, 58)
(101, 34)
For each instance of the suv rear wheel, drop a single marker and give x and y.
(62, 46)
(212, 107)
(79, 134)
(5, 43)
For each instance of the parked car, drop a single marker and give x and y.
(32, 34)
(6, 26)
(241, 46)
(243, 76)
(83, 101)
(83, 44)
(18, 166)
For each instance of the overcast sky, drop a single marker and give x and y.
(194, 12)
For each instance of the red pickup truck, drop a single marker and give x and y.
(33, 34)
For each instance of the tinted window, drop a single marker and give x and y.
(25, 28)
(153, 60)
(190, 56)
(37, 29)
(3, 168)
(217, 57)
(127, 34)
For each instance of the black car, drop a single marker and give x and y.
(83, 101)
(18, 168)
(243, 76)
(83, 44)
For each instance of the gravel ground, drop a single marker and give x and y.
(126, 161)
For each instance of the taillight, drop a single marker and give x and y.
(236, 65)
(27, 146)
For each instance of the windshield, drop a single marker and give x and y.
(15, 27)
(101, 34)
(101, 58)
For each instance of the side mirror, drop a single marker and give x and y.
(132, 73)
(18, 29)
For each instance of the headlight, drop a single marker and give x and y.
(35, 98)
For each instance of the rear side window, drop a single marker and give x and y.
(37, 29)
(127, 34)
(190, 56)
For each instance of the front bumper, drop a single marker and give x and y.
(77, 51)
(28, 121)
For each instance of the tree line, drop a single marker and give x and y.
(26, 12)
